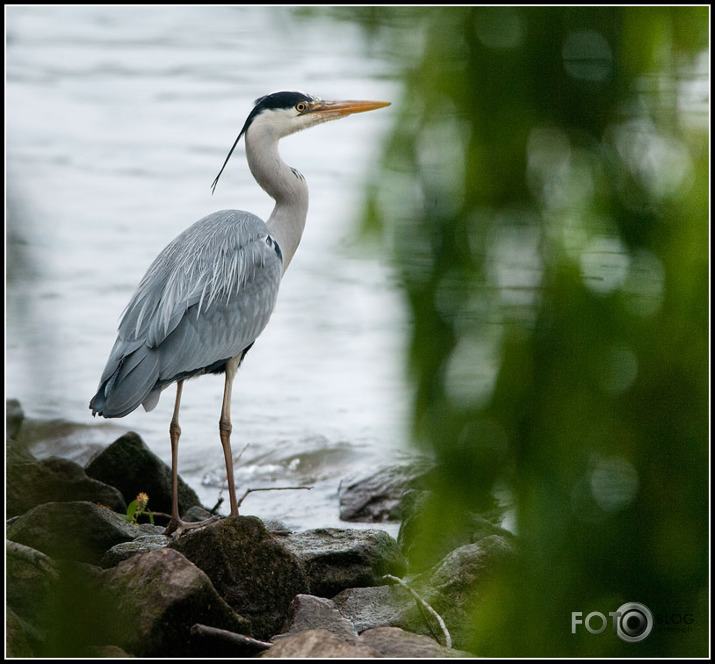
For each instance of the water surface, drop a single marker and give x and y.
(118, 119)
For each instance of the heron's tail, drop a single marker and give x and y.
(133, 382)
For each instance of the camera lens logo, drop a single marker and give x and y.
(634, 622)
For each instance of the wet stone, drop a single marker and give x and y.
(335, 558)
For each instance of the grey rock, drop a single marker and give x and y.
(452, 588)
(130, 466)
(17, 452)
(105, 652)
(156, 598)
(377, 606)
(336, 559)
(78, 531)
(317, 643)
(393, 642)
(31, 578)
(385, 642)
(423, 552)
(195, 514)
(49, 604)
(20, 637)
(310, 612)
(125, 550)
(54, 601)
(31, 482)
(14, 416)
(250, 568)
(379, 497)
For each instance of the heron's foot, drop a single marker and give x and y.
(177, 527)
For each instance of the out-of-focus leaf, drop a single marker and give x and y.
(546, 192)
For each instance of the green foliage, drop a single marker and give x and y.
(546, 192)
(137, 508)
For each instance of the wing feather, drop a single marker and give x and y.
(204, 300)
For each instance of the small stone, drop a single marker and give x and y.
(125, 550)
(196, 514)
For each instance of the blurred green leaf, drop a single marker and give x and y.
(546, 192)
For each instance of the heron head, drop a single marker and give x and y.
(285, 112)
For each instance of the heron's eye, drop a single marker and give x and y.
(301, 106)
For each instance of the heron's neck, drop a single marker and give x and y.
(286, 186)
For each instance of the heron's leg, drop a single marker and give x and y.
(176, 525)
(225, 427)
(174, 435)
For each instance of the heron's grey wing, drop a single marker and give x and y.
(204, 300)
(217, 329)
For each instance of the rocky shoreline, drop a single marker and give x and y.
(84, 579)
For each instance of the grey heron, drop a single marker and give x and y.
(210, 293)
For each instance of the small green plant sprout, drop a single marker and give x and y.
(137, 507)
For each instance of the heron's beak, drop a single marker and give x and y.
(337, 109)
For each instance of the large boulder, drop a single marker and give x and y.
(78, 531)
(251, 569)
(336, 559)
(31, 482)
(155, 599)
(130, 466)
(378, 497)
(452, 588)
